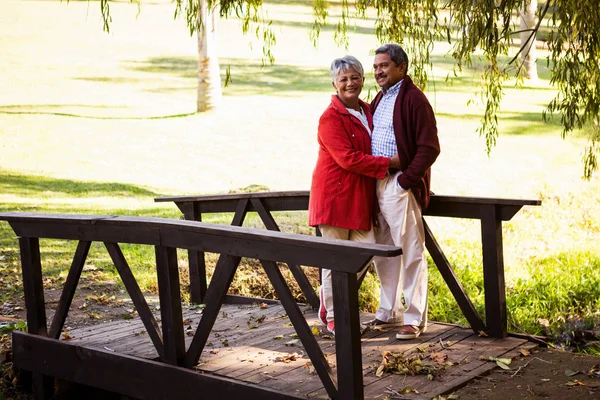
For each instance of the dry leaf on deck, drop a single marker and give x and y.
(439, 358)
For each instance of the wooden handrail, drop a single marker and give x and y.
(440, 206)
(231, 240)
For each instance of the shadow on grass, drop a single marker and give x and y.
(28, 185)
(515, 123)
(248, 77)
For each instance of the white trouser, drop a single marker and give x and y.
(401, 224)
(333, 232)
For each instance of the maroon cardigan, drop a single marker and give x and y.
(416, 138)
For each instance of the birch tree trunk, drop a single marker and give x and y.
(528, 55)
(209, 78)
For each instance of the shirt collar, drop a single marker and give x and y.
(394, 89)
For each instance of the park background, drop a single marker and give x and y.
(102, 123)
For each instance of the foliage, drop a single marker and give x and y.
(482, 30)
(486, 29)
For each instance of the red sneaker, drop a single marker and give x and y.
(322, 309)
(331, 327)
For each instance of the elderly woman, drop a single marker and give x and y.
(342, 194)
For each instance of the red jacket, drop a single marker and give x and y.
(416, 138)
(342, 193)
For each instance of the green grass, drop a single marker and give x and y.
(113, 159)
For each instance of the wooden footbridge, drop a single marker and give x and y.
(266, 350)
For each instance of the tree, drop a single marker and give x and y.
(475, 29)
(528, 50)
(209, 74)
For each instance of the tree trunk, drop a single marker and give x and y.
(528, 54)
(209, 78)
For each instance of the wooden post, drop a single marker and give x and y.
(197, 265)
(170, 305)
(33, 289)
(347, 336)
(493, 272)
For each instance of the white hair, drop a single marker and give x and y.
(344, 64)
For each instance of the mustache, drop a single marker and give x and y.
(380, 76)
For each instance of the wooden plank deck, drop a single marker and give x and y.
(250, 344)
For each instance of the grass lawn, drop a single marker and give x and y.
(111, 155)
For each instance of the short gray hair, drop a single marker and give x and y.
(396, 53)
(344, 64)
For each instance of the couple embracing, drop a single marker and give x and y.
(371, 183)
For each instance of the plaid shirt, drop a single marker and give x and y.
(383, 140)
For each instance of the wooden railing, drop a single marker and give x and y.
(490, 211)
(41, 352)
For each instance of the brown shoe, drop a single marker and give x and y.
(407, 332)
(377, 323)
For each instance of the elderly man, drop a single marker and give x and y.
(403, 123)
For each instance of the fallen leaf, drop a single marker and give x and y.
(294, 335)
(315, 330)
(525, 352)
(310, 367)
(292, 342)
(262, 306)
(66, 336)
(287, 358)
(278, 337)
(225, 342)
(439, 358)
(574, 383)
(594, 371)
(570, 372)
(482, 334)
(379, 372)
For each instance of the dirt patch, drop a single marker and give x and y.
(545, 374)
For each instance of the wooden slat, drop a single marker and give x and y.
(170, 305)
(136, 295)
(456, 288)
(493, 273)
(66, 297)
(302, 329)
(196, 261)
(220, 282)
(299, 275)
(130, 376)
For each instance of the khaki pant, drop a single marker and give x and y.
(401, 224)
(333, 232)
